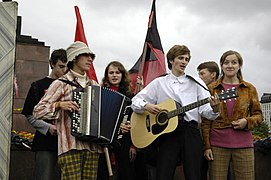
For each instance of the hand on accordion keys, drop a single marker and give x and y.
(67, 105)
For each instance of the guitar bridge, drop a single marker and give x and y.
(148, 123)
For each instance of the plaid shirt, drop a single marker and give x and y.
(45, 109)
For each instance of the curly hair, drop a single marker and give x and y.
(125, 83)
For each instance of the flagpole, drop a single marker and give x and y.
(139, 82)
(108, 163)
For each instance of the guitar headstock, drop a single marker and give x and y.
(228, 94)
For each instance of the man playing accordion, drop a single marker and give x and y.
(77, 159)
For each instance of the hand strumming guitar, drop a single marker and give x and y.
(154, 109)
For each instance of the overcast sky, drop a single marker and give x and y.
(116, 30)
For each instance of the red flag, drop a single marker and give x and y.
(80, 36)
(151, 63)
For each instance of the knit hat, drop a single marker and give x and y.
(77, 48)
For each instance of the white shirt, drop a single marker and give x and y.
(181, 89)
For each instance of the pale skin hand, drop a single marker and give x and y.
(154, 109)
(132, 153)
(125, 128)
(52, 130)
(239, 124)
(69, 105)
(208, 154)
(215, 102)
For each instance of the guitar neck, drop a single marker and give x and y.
(187, 108)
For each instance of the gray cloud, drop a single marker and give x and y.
(229, 9)
(116, 30)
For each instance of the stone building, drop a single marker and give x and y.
(266, 107)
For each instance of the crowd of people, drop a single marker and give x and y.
(207, 140)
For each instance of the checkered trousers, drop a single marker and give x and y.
(78, 165)
(242, 161)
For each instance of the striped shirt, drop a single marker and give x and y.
(45, 109)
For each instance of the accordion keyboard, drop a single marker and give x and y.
(76, 115)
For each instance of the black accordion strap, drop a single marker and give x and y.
(70, 83)
(190, 77)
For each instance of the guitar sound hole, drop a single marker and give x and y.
(161, 123)
(162, 118)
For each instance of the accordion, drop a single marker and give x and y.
(101, 112)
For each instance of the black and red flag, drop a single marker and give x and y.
(151, 63)
(80, 36)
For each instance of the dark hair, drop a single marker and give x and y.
(211, 66)
(58, 54)
(125, 83)
(240, 61)
(175, 51)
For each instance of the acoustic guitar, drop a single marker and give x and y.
(146, 127)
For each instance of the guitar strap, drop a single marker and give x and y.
(190, 77)
(178, 105)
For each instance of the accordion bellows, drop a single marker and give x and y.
(100, 115)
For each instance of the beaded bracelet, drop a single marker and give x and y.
(57, 104)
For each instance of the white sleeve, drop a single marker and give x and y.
(138, 104)
(145, 96)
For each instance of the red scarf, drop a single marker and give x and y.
(115, 88)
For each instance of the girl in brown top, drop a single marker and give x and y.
(229, 137)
